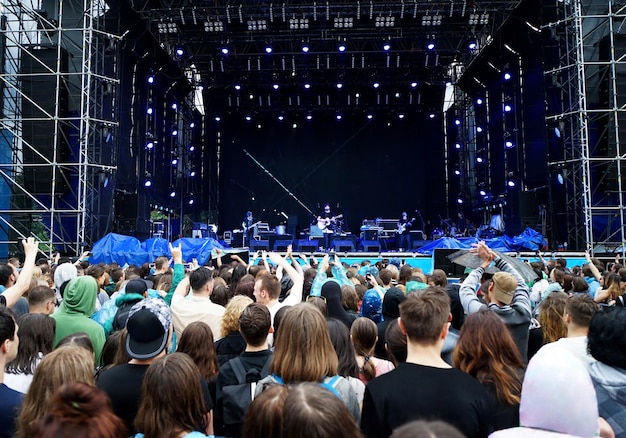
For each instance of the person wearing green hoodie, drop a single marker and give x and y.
(73, 316)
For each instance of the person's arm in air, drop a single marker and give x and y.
(295, 296)
(467, 293)
(13, 294)
(320, 277)
(339, 272)
(179, 271)
(521, 297)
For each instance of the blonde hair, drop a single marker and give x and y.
(234, 308)
(65, 364)
(303, 352)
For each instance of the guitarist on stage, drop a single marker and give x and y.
(404, 236)
(248, 228)
(326, 222)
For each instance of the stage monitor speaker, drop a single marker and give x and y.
(342, 245)
(281, 244)
(443, 262)
(306, 245)
(370, 246)
(236, 240)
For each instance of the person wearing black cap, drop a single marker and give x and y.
(149, 334)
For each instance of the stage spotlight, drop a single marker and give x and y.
(190, 201)
(472, 45)
(479, 101)
(174, 106)
(482, 192)
(147, 182)
(457, 122)
(511, 183)
(457, 172)
(237, 87)
(151, 79)
(559, 178)
(192, 148)
(386, 46)
(457, 145)
(507, 76)
(172, 192)
(305, 48)
(192, 125)
(338, 116)
(309, 117)
(401, 116)
(376, 85)
(150, 110)
(509, 144)
(248, 118)
(557, 132)
(459, 200)
(174, 161)
(413, 84)
(180, 51)
(268, 49)
(479, 129)
(225, 50)
(281, 117)
(275, 86)
(480, 159)
(192, 173)
(370, 116)
(430, 43)
(507, 108)
(431, 116)
(341, 47)
(218, 119)
(294, 125)
(339, 85)
(174, 132)
(150, 145)
(307, 86)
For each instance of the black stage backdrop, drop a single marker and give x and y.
(363, 168)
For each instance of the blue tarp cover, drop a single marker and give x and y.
(129, 250)
(529, 240)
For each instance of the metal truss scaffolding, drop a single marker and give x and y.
(58, 126)
(586, 115)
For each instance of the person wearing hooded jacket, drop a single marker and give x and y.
(73, 316)
(607, 344)
(331, 291)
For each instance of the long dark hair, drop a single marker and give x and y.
(486, 351)
(171, 398)
(36, 334)
(197, 342)
(340, 338)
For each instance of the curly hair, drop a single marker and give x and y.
(230, 319)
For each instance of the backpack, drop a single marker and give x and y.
(237, 398)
